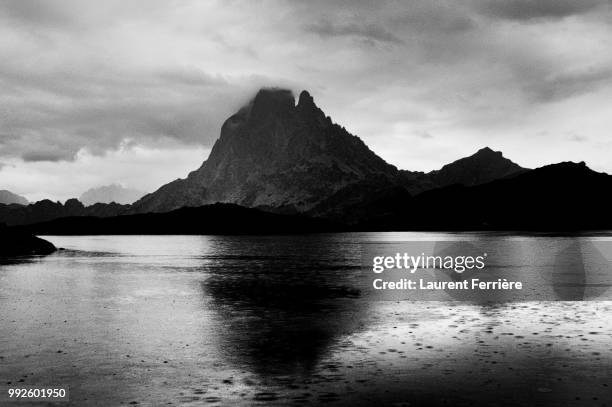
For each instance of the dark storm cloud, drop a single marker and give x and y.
(46, 155)
(86, 75)
(94, 76)
(81, 116)
(537, 9)
(53, 114)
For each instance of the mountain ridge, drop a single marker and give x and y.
(565, 196)
(283, 156)
(545, 199)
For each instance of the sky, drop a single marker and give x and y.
(135, 92)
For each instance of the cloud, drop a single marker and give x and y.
(43, 155)
(424, 134)
(36, 12)
(537, 9)
(52, 115)
(578, 138)
(363, 31)
(133, 166)
(90, 78)
(568, 84)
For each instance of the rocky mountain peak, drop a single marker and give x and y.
(274, 154)
(306, 101)
(486, 151)
(483, 166)
(272, 101)
(278, 155)
(307, 108)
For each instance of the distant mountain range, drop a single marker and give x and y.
(280, 156)
(110, 193)
(8, 198)
(209, 219)
(46, 210)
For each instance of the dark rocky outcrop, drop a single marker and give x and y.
(20, 243)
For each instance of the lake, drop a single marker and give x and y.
(283, 320)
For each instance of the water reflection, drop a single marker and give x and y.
(282, 304)
(582, 270)
(280, 320)
(573, 269)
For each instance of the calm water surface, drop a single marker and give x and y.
(227, 320)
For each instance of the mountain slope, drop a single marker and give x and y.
(7, 198)
(484, 166)
(359, 201)
(278, 155)
(557, 197)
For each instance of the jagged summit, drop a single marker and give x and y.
(271, 101)
(305, 99)
(275, 153)
(306, 102)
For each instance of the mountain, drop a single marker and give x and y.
(45, 210)
(285, 157)
(110, 193)
(275, 154)
(210, 219)
(484, 166)
(559, 197)
(359, 201)
(7, 198)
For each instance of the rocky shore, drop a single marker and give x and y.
(15, 243)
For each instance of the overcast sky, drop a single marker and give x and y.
(135, 92)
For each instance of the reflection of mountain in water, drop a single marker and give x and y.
(581, 270)
(460, 249)
(283, 303)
